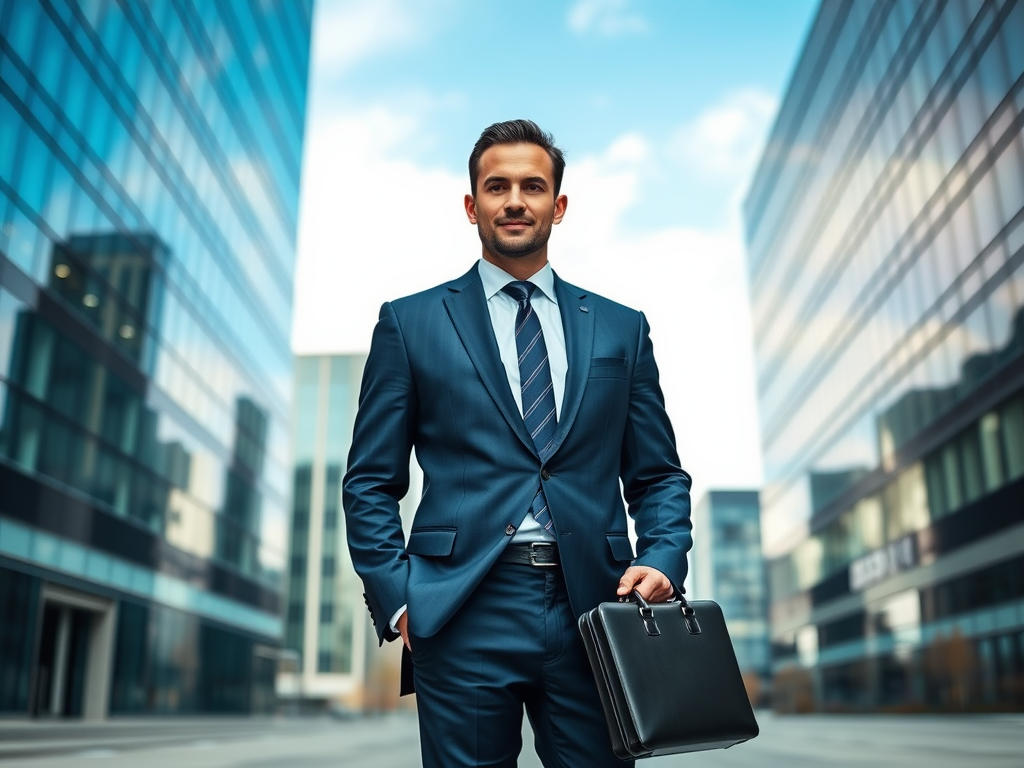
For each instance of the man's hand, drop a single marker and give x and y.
(652, 584)
(402, 625)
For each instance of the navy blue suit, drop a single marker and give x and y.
(434, 381)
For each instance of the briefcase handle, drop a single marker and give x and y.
(647, 613)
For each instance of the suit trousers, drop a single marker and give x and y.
(513, 644)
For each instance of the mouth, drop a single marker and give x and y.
(516, 224)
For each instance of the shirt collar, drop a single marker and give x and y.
(495, 278)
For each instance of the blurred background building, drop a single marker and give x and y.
(885, 229)
(727, 567)
(149, 176)
(328, 630)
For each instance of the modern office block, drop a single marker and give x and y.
(885, 229)
(149, 175)
(726, 566)
(328, 629)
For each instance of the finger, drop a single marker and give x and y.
(653, 585)
(629, 580)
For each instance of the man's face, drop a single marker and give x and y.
(515, 205)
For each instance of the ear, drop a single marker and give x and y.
(561, 203)
(470, 204)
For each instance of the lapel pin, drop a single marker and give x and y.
(583, 308)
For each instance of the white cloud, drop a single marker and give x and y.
(691, 285)
(723, 143)
(347, 32)
(372, 228)
(607, 18)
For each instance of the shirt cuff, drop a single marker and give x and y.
(394, 619)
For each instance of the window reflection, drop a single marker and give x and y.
(70, 417)
(978, 461)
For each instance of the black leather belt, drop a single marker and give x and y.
(539, 554)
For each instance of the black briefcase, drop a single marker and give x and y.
(667, 677)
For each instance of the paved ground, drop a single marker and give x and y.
(390, 742)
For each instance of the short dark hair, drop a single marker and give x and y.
(516, 132)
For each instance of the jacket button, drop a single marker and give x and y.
(545, 474)
(510, 530)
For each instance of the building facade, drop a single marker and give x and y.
(328, 629)
(885, 231)
(726, 566)
(149, 176)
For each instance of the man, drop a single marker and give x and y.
(527, 400)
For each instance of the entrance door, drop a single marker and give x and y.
(63, 655)
(73, 660)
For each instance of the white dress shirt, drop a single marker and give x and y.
(503, 309)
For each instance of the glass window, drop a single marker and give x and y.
(19, 601)
(937, 505)
(913, 499)
(1009, 33)
(951, 478)
(21, 33)
(977, 361)
(870, 523)
(988, 215)
(33, 181)
(1000, 305)
(9, 136)
(991, 455)
(1008, 170)
(1011, 422)
(964, 239)
(53, 53)
(11, 310)
(57, 209)
(970, 454)
(22, 442)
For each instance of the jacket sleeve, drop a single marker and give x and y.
(378, 472)
(656, 488)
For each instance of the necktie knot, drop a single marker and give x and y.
(521, 291)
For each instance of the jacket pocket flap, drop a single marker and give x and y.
(608, 368)
(621, 548)
(435, 542)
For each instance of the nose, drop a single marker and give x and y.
(515, 200)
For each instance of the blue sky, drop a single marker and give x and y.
(662, 107)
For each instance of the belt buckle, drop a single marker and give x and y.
(538, 545)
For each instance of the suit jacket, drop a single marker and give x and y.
(434, 381)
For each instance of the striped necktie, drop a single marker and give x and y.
(535, 381)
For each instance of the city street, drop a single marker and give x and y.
(390, 742)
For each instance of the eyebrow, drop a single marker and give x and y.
(528, 180)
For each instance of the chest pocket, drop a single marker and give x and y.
(608, 368)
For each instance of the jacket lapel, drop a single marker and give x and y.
(578, 326)
(467, 308)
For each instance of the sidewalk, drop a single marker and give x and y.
(34, 738)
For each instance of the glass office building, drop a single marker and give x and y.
(726, 566)
(885, 230)
(149, 176)
(328, 628)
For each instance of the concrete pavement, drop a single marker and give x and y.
(390, 741)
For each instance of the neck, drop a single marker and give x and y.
(520, 267)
